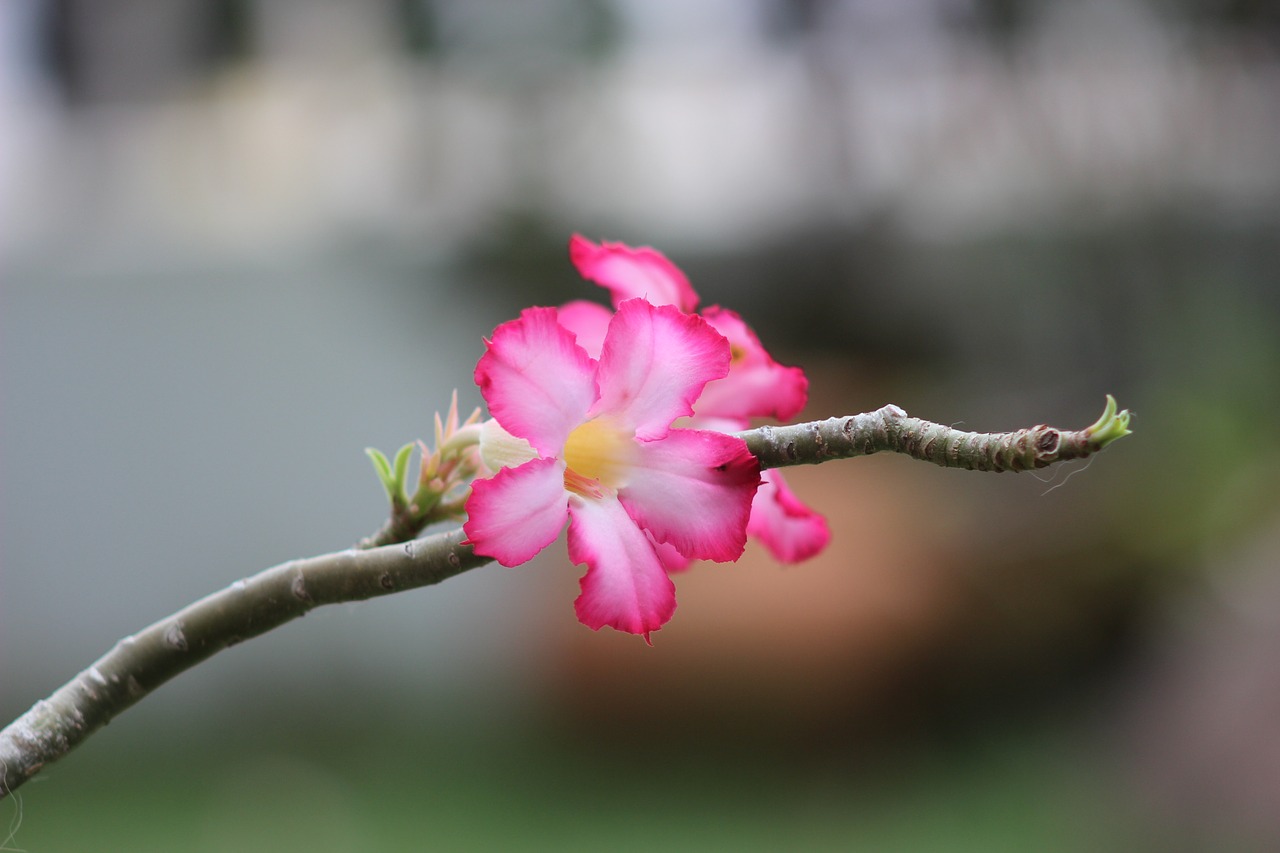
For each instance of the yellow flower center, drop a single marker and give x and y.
(598, 451)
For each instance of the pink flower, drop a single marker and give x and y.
(756, 385)
(601, 454)
(628, 273)
(788, 528)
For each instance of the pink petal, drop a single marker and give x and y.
(790, 530)
(757, 386)
(717, 424)
(693, 490)
(628, 273)
(672, 560)
(517, 512)
(625, 586)
(654, 364)
(588, 321)
(537, 381)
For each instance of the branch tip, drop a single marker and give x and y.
(1112, 425)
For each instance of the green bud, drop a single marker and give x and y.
(402, 467)
(1110, 426)
(381, 467)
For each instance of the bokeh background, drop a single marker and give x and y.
(241, 241)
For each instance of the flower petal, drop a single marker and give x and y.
(628, 273)
(790, 530)
(654, 364)
(500, 449)
(693, 490)
(757, 386)
(588, 321)
(537, 381)
(517, 512)
(672, 560)
(625, 586)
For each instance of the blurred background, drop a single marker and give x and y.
(241, 241)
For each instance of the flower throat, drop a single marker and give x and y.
(600, 452)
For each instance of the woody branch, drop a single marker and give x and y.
(141, 662)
